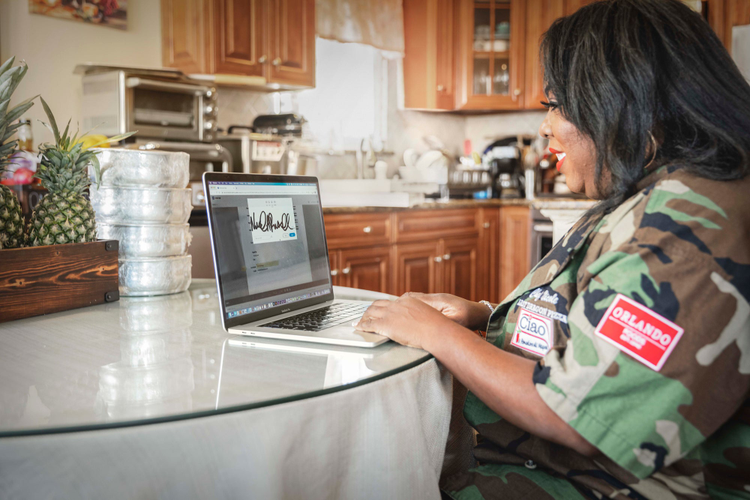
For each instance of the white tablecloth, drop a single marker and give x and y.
(382, 440)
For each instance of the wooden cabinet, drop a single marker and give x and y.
(541, 15)
(184, 39)
(473, 253)
(416, 268)
(515, 228)
(488, 276)
(429, 64)
(723, 15)
(292, 42)
(239, 37)
(365, 268)
(490, 54)
(460, 268)
(270, 39)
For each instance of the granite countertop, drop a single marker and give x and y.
(539, 203)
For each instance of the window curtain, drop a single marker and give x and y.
(379, 23)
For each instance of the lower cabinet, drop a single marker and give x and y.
(416, 268)
(472, 253)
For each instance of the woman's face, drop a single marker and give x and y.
(576, 153)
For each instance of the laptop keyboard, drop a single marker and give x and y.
(320, 319)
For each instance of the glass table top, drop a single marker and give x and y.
(151, 359)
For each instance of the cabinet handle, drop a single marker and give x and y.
(346, 270)
(334, 272)
(447, 256)
(487, 225)
(367, 229)
(517, 92)
(262, 59)
(440, 88)
(276, 62)
(438, 259)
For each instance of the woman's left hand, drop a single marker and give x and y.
(406, 320)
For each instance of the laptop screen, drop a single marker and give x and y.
(269, 244)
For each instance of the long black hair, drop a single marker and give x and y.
(624, 71)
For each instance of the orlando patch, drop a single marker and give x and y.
(533, 333)
(638, 331)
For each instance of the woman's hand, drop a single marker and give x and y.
(407, 320)
(471, 315)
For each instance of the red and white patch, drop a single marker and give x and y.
(533, 333)
(639, 331)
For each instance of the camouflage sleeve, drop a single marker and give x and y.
(664, 262)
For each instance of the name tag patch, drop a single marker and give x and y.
(638, 331)
(533, 333)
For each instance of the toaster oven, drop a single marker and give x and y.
(157, 107)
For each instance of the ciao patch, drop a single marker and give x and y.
(639, 331)
(533, 333)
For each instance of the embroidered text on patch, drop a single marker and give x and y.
(638, 331)
(533, 333)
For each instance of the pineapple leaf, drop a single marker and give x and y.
(114, 138)
(64, 135)
(18, 78)
(7, 64)
(4, 108)
(6, 82)
(19, 110)
(52, 123)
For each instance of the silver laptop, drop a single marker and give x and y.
(271, 261)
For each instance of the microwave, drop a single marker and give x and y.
(179, 109)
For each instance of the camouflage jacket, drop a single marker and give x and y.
(640, 322)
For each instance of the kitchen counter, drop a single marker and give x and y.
(539, 203)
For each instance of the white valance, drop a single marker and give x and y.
(379, 23)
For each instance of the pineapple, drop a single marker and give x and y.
(11, 223)
(64, 215)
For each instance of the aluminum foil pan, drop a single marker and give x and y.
(130, 167)
(160, 276)
(147, 240)
(131, 205)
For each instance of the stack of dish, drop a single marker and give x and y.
(143, 203)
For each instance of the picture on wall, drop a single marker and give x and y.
(110, 13)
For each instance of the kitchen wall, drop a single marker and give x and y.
(53, 47)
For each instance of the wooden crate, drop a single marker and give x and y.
(49, 279)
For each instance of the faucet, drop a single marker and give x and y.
(369, 159)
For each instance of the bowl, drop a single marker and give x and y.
(147, 240)
(132, 167)
(159, 276)
(133, 205)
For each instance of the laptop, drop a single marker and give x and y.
(271, 261)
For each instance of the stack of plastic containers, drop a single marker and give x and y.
(143, 203)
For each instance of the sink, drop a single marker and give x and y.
(362, 193)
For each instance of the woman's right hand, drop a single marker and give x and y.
(471, 315)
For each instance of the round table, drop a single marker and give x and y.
(147, 398)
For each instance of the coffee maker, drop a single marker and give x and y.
(504, 159)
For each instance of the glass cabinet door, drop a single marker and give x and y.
(491, 65)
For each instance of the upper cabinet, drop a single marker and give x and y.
(490, 54)
(429, 63)
(273, 40)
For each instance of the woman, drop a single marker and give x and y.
(620, 366)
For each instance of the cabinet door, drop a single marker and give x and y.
(515, 225)
(488, 275)
(460, 267)
(542, 13)
(184, 35)
(239, 37)
(573, 5)
(366, 269)
(292, 42)
(491, 36)
(429, 72)
(417, 267)
(335, 262)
